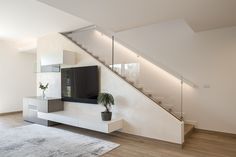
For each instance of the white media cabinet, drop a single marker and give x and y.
(87, 121)
(51, 111)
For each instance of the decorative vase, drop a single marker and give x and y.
(43, 95)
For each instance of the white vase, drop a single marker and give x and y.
(43, 95)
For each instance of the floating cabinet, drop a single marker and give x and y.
(33, 105)
(84, 120)
(58, 58)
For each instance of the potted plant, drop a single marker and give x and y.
(43, 88)
(106, 100)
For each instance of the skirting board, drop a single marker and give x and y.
(215, 132)
(8, 113)
(208, 131)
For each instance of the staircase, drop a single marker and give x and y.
(157, 100)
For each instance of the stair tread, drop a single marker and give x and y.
(188, 128)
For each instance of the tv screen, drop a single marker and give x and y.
(80, 84)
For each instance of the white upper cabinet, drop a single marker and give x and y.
(63, 57)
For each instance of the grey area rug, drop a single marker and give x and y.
(40, 141)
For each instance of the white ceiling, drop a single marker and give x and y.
(119, 15)
(26, 20)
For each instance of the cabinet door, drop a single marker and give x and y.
(29, 110)
(55, 105)
(51, 58)
(42, 105)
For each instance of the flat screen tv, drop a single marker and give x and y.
(80, 84)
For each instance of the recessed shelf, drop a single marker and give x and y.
(50, 68)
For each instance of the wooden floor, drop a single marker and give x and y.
(198, 144)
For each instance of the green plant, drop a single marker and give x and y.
(43, 87)
(106, 100)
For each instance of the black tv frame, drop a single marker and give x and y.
(81, 100)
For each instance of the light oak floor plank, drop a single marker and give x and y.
(198, 144)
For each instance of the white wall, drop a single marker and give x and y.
(17, 77)
(206, 58)
(141, 116)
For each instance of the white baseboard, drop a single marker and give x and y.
(12, 112)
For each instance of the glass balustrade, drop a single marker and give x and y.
(155, 82)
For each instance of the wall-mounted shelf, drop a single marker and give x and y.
(58, 58)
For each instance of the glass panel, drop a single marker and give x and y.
(156, 83)
(97, 43)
